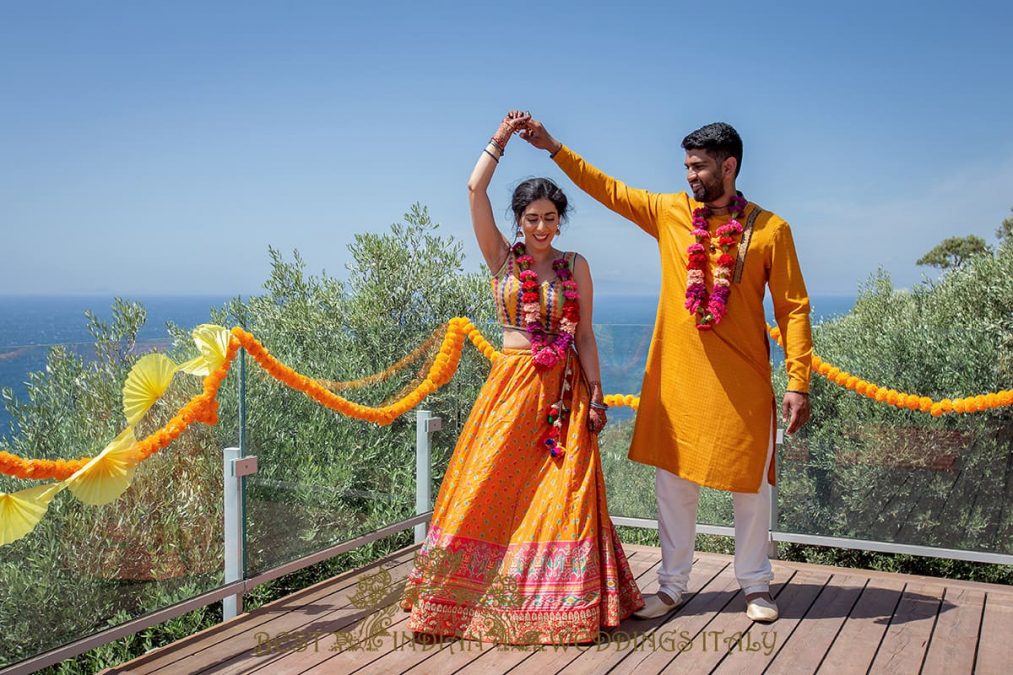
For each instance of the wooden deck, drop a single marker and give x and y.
(833, 620)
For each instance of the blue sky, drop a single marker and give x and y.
(161, 147)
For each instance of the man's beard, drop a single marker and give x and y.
(708, 193)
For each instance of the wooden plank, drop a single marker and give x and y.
(657, 649)
(761, 642)
(708, 647)
(951, 650)
(995, 646)
(472, 657)
(323, 624)
(238, 637)
(364, 652)
(889, 576)
(907, 639)
(493, 662)
(370, 639)
(814, 635)
(408, 655)
(855, 646)
(639, 631)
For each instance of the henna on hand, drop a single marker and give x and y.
(514, 121)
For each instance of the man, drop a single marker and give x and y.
(706, 412)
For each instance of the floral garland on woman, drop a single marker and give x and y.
(547, 351)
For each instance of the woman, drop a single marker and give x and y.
(521, 549)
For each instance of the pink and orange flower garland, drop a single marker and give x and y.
(547, 351)
(711, 307)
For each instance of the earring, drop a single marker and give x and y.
(519, 233)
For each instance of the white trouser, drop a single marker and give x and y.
(677, 505)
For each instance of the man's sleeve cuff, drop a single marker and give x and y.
(798, 386)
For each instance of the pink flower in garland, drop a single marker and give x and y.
(545, 356)
(711, 306)
(570, 289)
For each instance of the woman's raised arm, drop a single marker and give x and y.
(491, 241)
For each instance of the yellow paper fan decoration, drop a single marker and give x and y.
(21, 512)
(213, 343)
(146, 383)
(108, 475)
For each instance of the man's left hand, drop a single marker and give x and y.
(795, 411)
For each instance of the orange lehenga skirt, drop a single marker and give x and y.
(521, 549)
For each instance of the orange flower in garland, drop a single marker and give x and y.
(204, 407)
(619, 400)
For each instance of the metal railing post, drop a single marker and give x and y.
(425, 425)
(233, 604)
(235, 468)
(772, 545)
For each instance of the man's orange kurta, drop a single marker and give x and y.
(707, 400)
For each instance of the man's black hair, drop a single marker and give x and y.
(719, 140)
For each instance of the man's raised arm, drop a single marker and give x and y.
(640, 206)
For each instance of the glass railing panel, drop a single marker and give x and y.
(324, 478)
(86, 568)
(904, 478)
(859, 470)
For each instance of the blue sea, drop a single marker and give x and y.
(30, 326)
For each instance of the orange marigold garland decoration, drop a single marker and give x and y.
(201, 408)
(388, 372)
(204, 407)
(39, 469)
(111, 473)
(442, 370)
(901, 400)
(619, 400)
